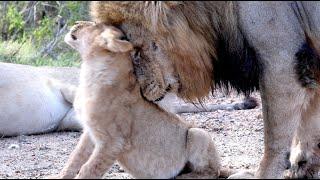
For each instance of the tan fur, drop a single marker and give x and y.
(188, 35)
(189, 46)
(305, 149)
(35, 100)
(146, 140)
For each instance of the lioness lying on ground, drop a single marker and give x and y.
(119, 124)
(32, 102)
(39, 100)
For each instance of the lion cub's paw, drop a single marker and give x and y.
(244, 174)
(153, 92)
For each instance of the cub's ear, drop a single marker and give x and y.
(112, 42)
(117, 45)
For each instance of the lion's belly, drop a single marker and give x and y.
(28, 108)
(157, 151)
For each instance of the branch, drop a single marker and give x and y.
(47, 50)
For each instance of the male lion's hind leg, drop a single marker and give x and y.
(305, 150)
(77, 158)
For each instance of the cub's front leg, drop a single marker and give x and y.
(149, 76)
(77, 158)
(102, 158)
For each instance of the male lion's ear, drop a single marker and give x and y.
(112, 42)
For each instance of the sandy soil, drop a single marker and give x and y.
(238, 136)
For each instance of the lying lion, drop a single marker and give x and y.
(33, 102)
(39, 100)
(119, 124)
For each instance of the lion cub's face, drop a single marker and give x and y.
(91, 39)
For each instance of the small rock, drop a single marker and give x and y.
(14, 146)
(44, 148)
(259, 116)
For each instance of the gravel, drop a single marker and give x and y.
(238, 136)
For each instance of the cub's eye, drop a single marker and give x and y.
(319, 145)
(73, 37)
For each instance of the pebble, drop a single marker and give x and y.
(14, 146)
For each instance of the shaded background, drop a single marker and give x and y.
(32, 32)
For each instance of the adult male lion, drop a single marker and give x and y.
(189, 47)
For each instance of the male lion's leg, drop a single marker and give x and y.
(283, 99)
(78, 157)
(305, 150)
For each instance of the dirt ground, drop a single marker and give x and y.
(238, 136)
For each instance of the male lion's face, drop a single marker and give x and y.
(173, 44)
(154, 69)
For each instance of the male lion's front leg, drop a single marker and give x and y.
(77, 158)
(283, 99)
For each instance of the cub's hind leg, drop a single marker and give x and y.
(203, 161)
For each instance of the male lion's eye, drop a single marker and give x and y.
(154, 46)
(319, 145)
(124, 38)
(73, 37)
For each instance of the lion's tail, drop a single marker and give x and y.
(308, 57)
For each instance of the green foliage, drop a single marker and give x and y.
(44, 31)
(32, 31)
(78, 10)
(15, 20)
(26, 53)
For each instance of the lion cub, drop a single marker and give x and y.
(120, 125)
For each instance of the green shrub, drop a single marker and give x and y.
(26, 53)
(28, 35)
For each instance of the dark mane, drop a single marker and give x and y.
(202, 39)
